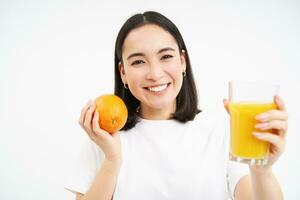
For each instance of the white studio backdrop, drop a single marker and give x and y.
(56, 55)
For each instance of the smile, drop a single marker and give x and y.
(158, 88)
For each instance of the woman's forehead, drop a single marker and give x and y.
(148, 38)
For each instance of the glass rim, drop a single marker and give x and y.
(234, 86)
(231, 82)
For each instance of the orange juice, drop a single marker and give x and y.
(243, 143)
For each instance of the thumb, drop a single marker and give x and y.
(279, 103)
(225, 103)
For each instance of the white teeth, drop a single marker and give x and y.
(158, 88)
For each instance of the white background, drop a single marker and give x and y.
(55, 55)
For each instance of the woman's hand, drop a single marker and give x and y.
(276, 121)
(109, 143)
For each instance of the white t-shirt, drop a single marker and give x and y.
(166, 159)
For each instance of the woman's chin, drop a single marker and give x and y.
(161, 106)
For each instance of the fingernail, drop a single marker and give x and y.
(92, 102)
(261, 126)
(89, 102)
(258, 135)
(262, 117)
(278, 100)
(97, 133)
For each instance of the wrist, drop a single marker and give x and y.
(111, 167)
(260, 169)
(113, 162)
(113, 157)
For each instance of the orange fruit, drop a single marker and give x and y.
(112, 112)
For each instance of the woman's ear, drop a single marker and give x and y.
(122, 72)
(183, 59)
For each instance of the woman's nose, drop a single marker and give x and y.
(155, 73)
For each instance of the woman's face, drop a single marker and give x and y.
(153, 67)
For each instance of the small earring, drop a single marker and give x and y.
(183, 51)
(125, 86)
(138, 109)
(183, 73)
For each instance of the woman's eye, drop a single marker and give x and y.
(166, 57)
(137, 62)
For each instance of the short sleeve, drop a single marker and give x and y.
(235, 171)
(82, 172)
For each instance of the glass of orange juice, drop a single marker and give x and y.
(246, 100)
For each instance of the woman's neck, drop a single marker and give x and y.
(147, 112)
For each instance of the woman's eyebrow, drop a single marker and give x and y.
(135, 54)
(142, 54)
(165, 49)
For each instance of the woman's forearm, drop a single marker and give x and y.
(265, 185)
(105, 182)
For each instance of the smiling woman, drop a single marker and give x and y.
(168, 149)
(154, 74)
(153, 60)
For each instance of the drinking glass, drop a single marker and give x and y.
(246, 100)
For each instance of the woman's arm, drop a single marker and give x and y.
(106, 178)
(259, 185)
(104, 184)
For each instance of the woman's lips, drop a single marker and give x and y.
(158, 89)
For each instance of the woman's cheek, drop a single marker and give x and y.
(175, 70)
(135, 78)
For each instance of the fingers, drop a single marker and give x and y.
(83, 113)
(272, 115)
(274, 119)
(225, 103)
(279, 102)
(89, 121)
(278, 142)
(95, 125)
(88, 118)
(274, 124)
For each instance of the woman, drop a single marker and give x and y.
(168, 149)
